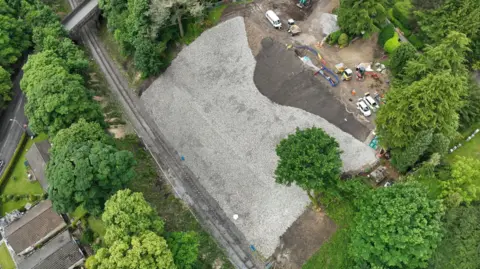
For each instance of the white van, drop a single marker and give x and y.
(273, 19)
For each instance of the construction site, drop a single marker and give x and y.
(250, 84)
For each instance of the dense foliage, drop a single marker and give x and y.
(5, 87)
(459, 247)
(311, 159)
(396, 227)
(143, 28)
(404, 53)
(87, 174)
(184, 247)
(361, 17)
(464, 186)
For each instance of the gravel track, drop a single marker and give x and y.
(205, 209)
(212, 113)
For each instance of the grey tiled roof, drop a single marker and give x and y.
(37, 157)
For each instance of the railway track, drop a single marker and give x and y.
(183, 181)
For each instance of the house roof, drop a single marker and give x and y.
(37, 223)
(59, 253)
(37, 157)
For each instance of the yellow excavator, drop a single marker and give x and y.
(345, 72)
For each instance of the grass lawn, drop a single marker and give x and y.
(6, 261)
(96, 225)
(470, 148)
(175, 213)
(18, 182)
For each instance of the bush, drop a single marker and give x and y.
(343, 40)
(333, 37)
(416, 42)
(402, 11)
(392, 44)
(87, 237)
(386, 33)
(397, 23)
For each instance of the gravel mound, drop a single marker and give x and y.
(208, 107)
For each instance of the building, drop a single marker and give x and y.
(37, 158)
(59, 253)
(35, 227)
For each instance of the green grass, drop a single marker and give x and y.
(96, 225)
(215, 14)
(6, 261)
(468, 149)
(18, 182)
(78, 213)
(175, 213)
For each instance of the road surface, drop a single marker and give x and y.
(80, 14)
(10, 131)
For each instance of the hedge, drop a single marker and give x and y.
(405, 30)
(386, 33)
(392, 44)
(13, 161)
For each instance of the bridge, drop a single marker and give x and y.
(87, 10)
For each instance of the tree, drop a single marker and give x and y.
(427, 4)
(81, 131)
(405, 158)
(56, 98)
(13, 40)
(184, 247)
(128, 214)
(440, 144)
(146, 251)
(465, 183)
(432, 104)
(311, 159)
(396, 227)
(175, 9)
(470, 111)
(360, 17)
(87, 174)
(5, 87)
(404, 53)
(459, 247)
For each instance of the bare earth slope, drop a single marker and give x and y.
(208, 107)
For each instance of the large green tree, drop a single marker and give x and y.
(87, 174)
(13, 39)
(360, 17)
(5, 87)
(128, 214)
(55, 97)
(184, 247)
(310, 159)
(404, 53)
(404, 158)
(396, 227)
(79, 132)
(145, 251)
(459, 247)
(465, 183)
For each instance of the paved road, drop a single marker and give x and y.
(10, 132)
(183, 181)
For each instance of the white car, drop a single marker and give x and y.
(363, 107)
(371, 102)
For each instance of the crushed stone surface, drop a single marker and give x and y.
(209, 109)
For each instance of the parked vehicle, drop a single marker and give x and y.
(371, 102)
(273, 19)
(293, 29)
(363, 107)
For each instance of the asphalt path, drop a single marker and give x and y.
(11, 131)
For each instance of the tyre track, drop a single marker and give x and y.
(182, 180)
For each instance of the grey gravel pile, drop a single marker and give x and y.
(208, 107)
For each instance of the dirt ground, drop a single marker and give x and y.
(282, 77)
(303, 239)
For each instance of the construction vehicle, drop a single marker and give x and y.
(293, 29)
(346, 73)
(304, 3)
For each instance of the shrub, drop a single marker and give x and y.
(397, 23)
(87, 237)
(386, 33)
(392, 44)
(402, 11)
(343, 40)
(333, 37)
(416, 42)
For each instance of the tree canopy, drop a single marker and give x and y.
(145, 251)
(184, 247)
(56, 98)
(5, 87)
(87, 174)
(13, 39)
(404, 53)
(309, 158)
(360, 17)
(396, 227)
(465, 182)
(128, 214)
